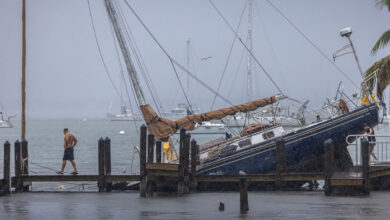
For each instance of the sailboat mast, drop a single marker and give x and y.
(188, 64)
(112, 14)
(23, 135)
(250, 45)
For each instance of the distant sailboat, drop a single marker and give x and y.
(5, 122)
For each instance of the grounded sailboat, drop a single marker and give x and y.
(254, 150)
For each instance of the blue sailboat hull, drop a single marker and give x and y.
(301, 145)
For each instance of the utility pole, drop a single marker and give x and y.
(23, 135)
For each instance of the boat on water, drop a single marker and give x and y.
(253, 151)
(125, 115)
(5, 122)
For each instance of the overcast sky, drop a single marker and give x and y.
(66, 78)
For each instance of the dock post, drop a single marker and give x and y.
(180, 183)
(328, 165)
(365, 166)
(7, 168)
(280, 158)
(142, 161)
(194, 145)
(149, 178)
(243, 185)
(18, 166)
(150, 148)
(24, 145)
(187, 162)
(101, 180)
(107, 162)
(158, 151)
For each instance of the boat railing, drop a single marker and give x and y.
(381, 147)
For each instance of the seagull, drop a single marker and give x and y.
(206, 58)
(241, 173)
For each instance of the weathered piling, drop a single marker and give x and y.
(180, 183)
(194, 147)
(150, 148)
(149, 181)
(18, 166)
(280, 159)
(101, 180)
(328, 165)
(187, 146)
(243, 185)
(158, 151)
(7, 168)
(142, 160)
(365, 152)
(24, 145)
(107, 162)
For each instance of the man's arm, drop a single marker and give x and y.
(74, 141)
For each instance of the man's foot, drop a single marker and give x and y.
(74, 173)
(60, 172)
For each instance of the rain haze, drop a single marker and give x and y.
(66, 77)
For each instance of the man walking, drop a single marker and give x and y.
(69, 142)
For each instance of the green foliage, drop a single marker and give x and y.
(383, 3)
(382, 42)
(383, 76)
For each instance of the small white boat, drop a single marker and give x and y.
(5, 123)
(125, 115)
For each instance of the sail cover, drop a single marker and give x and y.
(162, 128)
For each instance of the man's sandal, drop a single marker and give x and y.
(74, 173)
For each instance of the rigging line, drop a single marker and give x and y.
(140, 61)
(100, 51)
(230, 53)
(124, 80)
(182, 87)
(170, 58)
(246, 47)
(312, 43)
(149, 86)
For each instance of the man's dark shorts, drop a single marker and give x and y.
(68, 154)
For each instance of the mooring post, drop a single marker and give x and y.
(18, 166)
(194, 145)
(365, 146)
(150, 147)
(243, 185)
(101, 180)
(280, 158)
(24, 145)
(187, 146)
(107, 162)
(7, 168)
(149, 178)
(158, 151)
(180, 183)
(142, 161)
(328, 165)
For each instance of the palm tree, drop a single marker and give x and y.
(382, 66)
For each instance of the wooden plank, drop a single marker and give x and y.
(346, 182)
(119, 178)
(7, 168)
(162, 166)
(59, 178)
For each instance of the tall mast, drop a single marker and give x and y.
(112, 14)
(23, 135)
(188, 64)
(249, 65)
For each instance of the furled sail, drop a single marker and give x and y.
(162, 128)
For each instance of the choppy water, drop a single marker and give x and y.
(45, 148)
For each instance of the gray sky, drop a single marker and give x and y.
(66, 78)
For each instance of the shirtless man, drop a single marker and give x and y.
(69, 142)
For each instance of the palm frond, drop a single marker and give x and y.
(383, 76)
(383, 3)
(382, 42)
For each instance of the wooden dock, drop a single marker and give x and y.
(182, 177)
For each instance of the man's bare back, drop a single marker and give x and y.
(70, 140)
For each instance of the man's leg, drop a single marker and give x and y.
(63, 166)
(74, 166)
